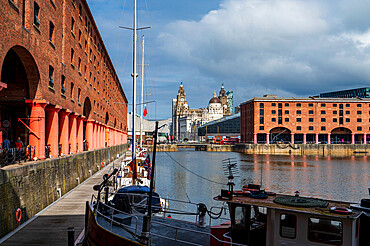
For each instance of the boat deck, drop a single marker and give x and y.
(269, 203)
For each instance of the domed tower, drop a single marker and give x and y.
(215, 108)
(223, 98)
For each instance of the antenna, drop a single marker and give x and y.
(230, 167)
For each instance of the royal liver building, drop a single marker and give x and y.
(185, 121)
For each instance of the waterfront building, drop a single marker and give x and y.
(147, 129)
(359, 92)
(226, 127)
(271, 119)
(186, 121)
(230, 100)
(58, 85)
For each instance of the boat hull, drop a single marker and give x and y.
(96, 235)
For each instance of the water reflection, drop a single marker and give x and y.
(334, 178)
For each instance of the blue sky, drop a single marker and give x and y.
(254, 47)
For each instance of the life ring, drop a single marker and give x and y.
(102, 164)
(18, 215)
(340, 210)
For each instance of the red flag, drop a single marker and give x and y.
(145, 112)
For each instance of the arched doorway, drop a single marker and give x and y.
(20, 74)
(341, 135)
(280, 134)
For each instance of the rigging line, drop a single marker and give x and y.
(152, 61)
(192, 171)
(182, 185)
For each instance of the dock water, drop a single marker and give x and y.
(50, 226)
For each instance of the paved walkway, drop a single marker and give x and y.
(50, 226)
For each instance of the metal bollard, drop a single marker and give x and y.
(71, 236)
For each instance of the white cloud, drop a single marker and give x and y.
(291, 47)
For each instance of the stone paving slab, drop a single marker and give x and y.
(50, 227)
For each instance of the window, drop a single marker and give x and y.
(359, 112)
(36, 11)
(51, 72)
(286, 119)
(347, 112)
(359, 105)
(323, 128)
(323, 112)
(286, 112)
(298, 111)
(273, 119)
(310, 128)
(299, 120)
(310, 105)
(51, 31)
(280, 105)
(63, 90)
(261, 105)
(359, 128)
(323, 105)
(310, 119)
(72, 85)
(72, 24)
(280, 120)
(288, 224)
(79, 35)
(280, 112)
(359, 120)
(335, 120)
(347, 105)
(262, 128)
(286, 105)
(80, 9)
(298, 105)
(341, 120)
(273, 111)
(72, 54)
(335, 112)
(299, 128)
(340, 106)
(334, 105)
(273, 104)
(310, 112)
(261, 120)
(348, 120)
(323, 120)
(79, 65)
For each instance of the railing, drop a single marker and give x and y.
(47, 151)
(10, 156)
(108, 213)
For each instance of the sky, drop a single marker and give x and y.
(253, 47)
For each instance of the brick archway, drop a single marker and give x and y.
(21, 77)
(280, 134)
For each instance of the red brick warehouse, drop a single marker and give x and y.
(271, 119)
(58, 84)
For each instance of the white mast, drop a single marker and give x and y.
(134, 92)
(142, 93)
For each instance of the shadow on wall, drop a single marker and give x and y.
(34, 185)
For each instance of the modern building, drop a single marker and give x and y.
(271, 119)
(359, 92)
(147, 128)
(215, 131)
(58, 85)
(230, 100)
(190, 118)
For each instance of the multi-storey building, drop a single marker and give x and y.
(305, 120)
(191, 119)
(58, 84)
(359, 92)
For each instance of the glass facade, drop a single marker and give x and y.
(360, 92)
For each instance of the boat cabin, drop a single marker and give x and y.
(271, 221)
